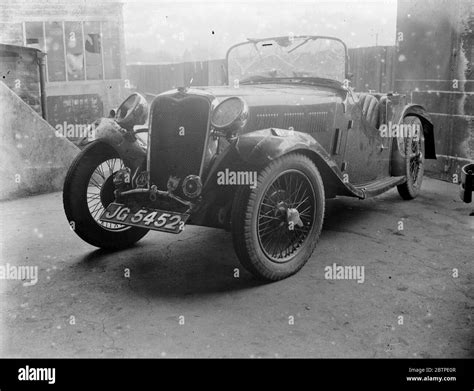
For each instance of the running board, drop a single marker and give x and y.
(380, 186)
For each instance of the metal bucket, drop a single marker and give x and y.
(467, 183)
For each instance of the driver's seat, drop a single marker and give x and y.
(370, 109)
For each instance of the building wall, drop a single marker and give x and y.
(20, 71)
(84, 43)
(434, 66)
(33, 159)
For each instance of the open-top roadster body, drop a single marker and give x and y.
(257, 157)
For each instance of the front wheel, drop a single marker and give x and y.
(88, 190)
(276, 225)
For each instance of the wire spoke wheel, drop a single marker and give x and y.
(412, 151)
(276, 225)
(416, 158)
(280, 239)
(100, 192)
(88, 190)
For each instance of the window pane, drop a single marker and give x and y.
(55, 50)
(74, 51)
(11, 33)
(34, 35)
(111, 34)
(93, 50)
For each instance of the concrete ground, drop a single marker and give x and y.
(410, 304)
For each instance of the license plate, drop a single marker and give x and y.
(159, 220)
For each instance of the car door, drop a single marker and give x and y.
(366, 153)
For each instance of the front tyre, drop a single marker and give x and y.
(88, 190)
(275, 227)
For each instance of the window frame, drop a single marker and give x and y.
(85, 81)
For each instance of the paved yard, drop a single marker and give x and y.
(182, 298)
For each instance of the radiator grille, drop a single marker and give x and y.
(179, 133)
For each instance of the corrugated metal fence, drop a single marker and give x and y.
(372, 69)
(156, 78)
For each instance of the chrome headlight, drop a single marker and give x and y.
(132, 111)
(230, 115)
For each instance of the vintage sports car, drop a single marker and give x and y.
(257, 157)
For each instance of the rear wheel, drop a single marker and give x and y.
(88, 190)
(275, 226)
(413, 152)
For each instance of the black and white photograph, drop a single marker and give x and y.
(237, 179)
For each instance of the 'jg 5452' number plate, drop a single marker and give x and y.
(156, 219)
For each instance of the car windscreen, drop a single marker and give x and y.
(315, 57)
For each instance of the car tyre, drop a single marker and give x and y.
(258, 211)
(413, 151)
(83, 218)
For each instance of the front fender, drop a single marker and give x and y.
(126, 145)
(263, 146)
(398, 165)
